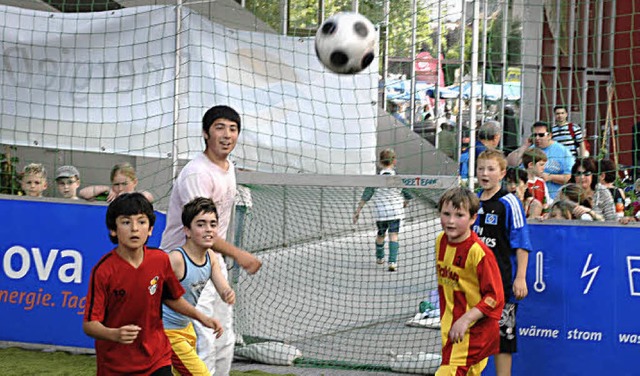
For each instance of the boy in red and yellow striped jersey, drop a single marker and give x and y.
(470, 288)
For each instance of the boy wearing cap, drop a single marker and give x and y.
(68, 181)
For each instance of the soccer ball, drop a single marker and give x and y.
(346, 42)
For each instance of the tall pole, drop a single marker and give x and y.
(485, 16)
(584, 39)
(571, 39)
(177, 92)
(355, 4)
(556, 58)
(385, 58)
(284, 11)
(439, 64)
(472, 101)
(412, 95)
(320, 12)
(463, 25)
(503, 70)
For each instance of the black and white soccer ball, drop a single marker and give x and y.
(346, 42)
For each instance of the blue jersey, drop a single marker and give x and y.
(194, 279)
(559, 162)
(502, 226)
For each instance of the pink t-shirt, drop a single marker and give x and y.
(199, 178)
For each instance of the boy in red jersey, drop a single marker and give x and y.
(468, 276)
(534, 161)
(126, 291)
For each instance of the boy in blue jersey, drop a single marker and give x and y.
(502, 226)
(194, 264)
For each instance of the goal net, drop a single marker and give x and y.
(98, 83)
(320, 289)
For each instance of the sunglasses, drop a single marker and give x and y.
(582, 173)
(543, 134)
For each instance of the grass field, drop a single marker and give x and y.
(19, 362)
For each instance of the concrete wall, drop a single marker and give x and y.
(415, 154)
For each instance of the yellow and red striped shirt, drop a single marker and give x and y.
(468, 276)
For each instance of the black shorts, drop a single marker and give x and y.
(393, 226)
(163, 371)
(508, 344)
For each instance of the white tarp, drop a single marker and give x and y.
(105, 82)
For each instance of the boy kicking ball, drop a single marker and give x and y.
(126, 291)
(469, 286)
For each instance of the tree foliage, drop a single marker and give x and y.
(304, 15)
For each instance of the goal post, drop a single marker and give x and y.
(320, 288)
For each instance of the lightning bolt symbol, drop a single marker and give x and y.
(589, 272)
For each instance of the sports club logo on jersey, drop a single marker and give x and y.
(153, 285)
(491, 219)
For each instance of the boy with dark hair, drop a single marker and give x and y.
(194, 264)
(502, 225)
(469, 287)
(211, 174)
(126, 290)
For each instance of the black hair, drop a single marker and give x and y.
(196, 206)
(608, 168)
(128, 204)
(589, 165)
(560, 107)
(219, 112)
(516, 175)
(541, 124)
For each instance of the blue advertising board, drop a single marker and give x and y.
(47, 251)
(581, 316)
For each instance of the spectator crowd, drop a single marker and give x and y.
(552, 172)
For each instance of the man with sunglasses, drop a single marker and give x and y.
(557, 170)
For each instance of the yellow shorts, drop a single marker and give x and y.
(184, 358)
(473, 370)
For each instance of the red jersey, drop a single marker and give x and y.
(468, 276)
(538, 189)
(119, 295)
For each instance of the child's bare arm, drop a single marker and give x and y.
(246, 260)
(459, 328)
(181, 306)
(219, 281)
(177, 263)
(520, 290)
(356, 215)
(93, 191)
(147, 195)
(125, 334)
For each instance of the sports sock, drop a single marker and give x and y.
(380, 250)
(393, 251)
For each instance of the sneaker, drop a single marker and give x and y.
(380, 261)
(393, 266)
